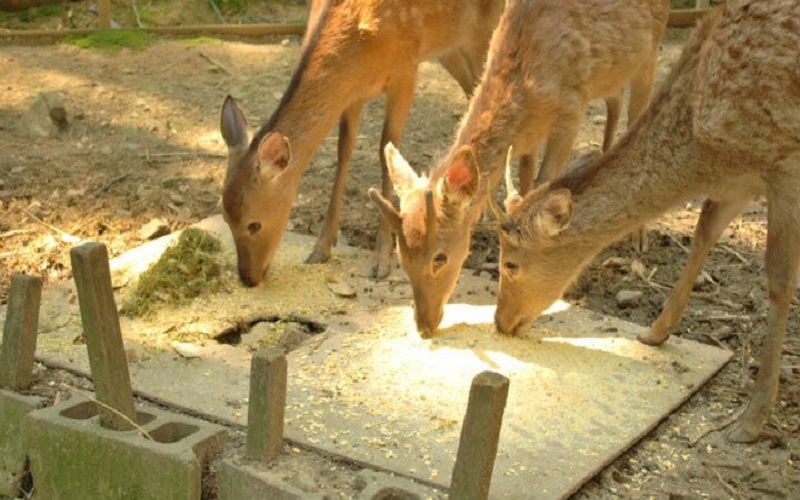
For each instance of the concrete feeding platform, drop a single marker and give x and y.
(371, 390)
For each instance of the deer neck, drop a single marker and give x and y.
(655, 166)
(322, 87)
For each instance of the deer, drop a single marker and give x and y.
(546, 61)
(725, 125)
(353, 50)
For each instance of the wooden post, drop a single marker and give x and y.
(104, 12)
(480, 434)
(101, 329)
(19, 332)
(267, 405)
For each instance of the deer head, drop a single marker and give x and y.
(257, 192)
(432, 231)
(537, 260)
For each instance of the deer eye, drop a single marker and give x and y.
(439, 260)
(511, 267)
(254, 227)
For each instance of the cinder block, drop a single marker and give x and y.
(241, 481)
(73, 457)
(383, 486)
(13, 409)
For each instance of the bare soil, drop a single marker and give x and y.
(143, 142)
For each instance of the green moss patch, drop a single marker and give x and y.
(187, 269)
(112, 40)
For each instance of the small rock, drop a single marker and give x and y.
(615, 263)
(155, 228)
(186, 350)
(47, 116)
(599, 120)
(285, 42)
(341, 288)
(628, 298)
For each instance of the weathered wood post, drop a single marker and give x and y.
(107, 359)
(480, 434)
(104, 13)
(19, 332)
(265, 414)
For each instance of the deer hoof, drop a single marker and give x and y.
(381, 270)
(743, 433)
(651, 337)
(318, 257)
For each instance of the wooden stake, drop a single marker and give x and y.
(480, 434)
(19, 332)
(265, 414)
(103, 335)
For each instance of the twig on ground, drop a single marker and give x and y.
(215, 63)
(143, 432)
(65, 237)
(730, 489)
(723, 317)
(717, 342)
(723, 425)
(675, 240)
(15, 232)
(714, 299)
(733, 252)
(107, 185)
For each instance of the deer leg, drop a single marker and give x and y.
(398, 102)
(714, 218)
(782, 262)
(613, 110)
(559, 145)
(348, 129)
(640, 89)
(457, 64)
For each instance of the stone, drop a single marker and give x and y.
(628, 298)
(46, 117)
(155, 228)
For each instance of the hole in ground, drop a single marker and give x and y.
(284, 332)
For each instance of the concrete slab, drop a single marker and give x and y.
(369, 389)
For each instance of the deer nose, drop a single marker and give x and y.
(505, 323)
(427, 322)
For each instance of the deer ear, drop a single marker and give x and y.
(461, 179)
(233, 124)
(387, 210)
(274, 153)
(400, 172)
(555, 213)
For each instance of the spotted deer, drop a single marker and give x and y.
(724, 125)
(547, 60)
(353, 51)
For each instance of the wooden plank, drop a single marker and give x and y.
(248, 30)
(19, 332)
(103, 335)
(267, 406)
(480, 434)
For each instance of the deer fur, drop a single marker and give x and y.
(724, 125)
(547, 60)
(353, 50)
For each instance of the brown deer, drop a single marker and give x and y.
(547, 60)
(726, 125)
(353, 51)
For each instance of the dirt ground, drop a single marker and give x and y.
(142, 142)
